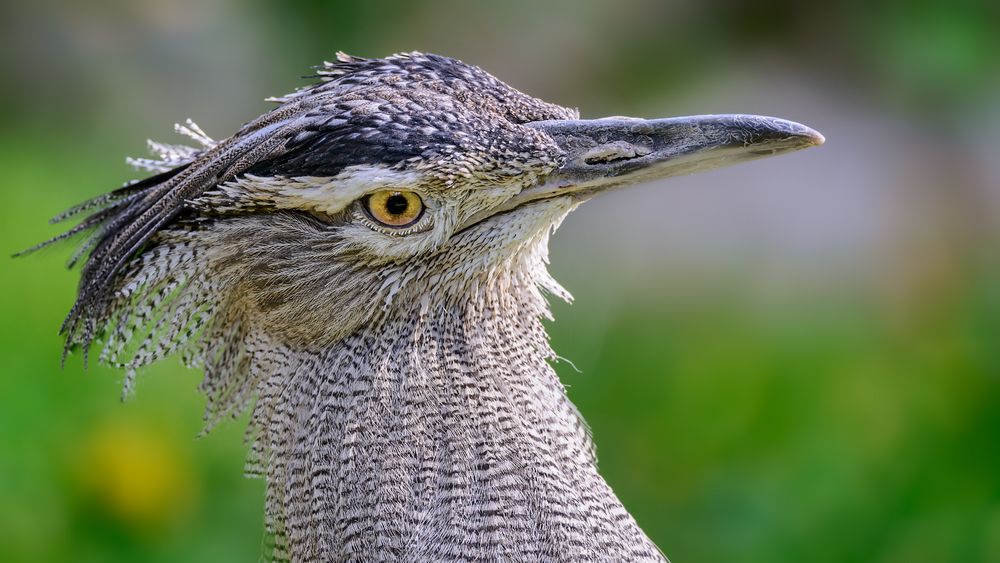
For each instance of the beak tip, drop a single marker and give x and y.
(814, 138)
(803, 135)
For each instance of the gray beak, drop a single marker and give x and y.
(602, 154)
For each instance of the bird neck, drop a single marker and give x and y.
(434, 431)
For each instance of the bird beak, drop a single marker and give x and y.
(602, 154)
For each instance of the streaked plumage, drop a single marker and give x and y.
(403, 403)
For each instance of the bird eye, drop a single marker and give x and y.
(394, 208)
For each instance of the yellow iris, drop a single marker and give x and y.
(394, 208)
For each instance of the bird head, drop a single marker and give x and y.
(392, 188)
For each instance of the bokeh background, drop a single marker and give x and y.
(795, 359)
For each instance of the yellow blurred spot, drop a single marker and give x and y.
(135, 474)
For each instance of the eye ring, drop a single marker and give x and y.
(396, 209)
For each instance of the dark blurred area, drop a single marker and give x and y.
(794, 359)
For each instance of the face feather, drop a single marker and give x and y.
(449, 126)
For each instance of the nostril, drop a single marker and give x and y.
(613, 152)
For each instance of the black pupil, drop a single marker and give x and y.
(397, 204)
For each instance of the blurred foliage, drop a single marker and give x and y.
(819, 434)
(857, 427)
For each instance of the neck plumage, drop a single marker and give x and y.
(437, 436)
(415, 417)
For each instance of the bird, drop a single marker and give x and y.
(364, 268)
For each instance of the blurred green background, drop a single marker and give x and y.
(791, 360)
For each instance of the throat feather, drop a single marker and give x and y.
(432, 438)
